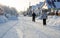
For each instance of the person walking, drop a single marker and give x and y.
(44, 16)
(57, 12)
(33, 16)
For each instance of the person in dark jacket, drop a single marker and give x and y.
(57, 12)
(33, 16)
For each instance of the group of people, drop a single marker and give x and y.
(44, 17)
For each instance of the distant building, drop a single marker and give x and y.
(50, 5)
(35, 8)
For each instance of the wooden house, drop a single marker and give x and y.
(52, 6)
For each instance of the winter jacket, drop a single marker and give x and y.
(33, 14)
(44, 16)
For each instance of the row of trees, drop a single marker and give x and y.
(4, 10)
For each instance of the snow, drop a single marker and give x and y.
(11, 17)
(3, 19)
(39, 17)
(56, 22)
(25, 28)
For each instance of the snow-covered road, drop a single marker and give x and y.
(25, 28)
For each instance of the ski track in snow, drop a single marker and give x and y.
(25, 28)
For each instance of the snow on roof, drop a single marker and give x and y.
(37, 5)
(57, 4)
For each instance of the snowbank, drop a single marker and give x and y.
(52, 21)
(11, 17)
(39, 17)
(25, 28)
(3, 19)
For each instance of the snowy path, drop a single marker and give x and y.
(4, 28)
(25, 28)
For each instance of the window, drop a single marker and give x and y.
(58, 0)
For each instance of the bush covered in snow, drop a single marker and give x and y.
(3, 19)
(9, 12)
(11, 17)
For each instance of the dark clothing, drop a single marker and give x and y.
(33, 17)
(53, 4)
(44, 21)
(57, 12)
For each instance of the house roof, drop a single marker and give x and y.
(57, 4)
(37, 5)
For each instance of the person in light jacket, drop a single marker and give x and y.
(44, 17)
